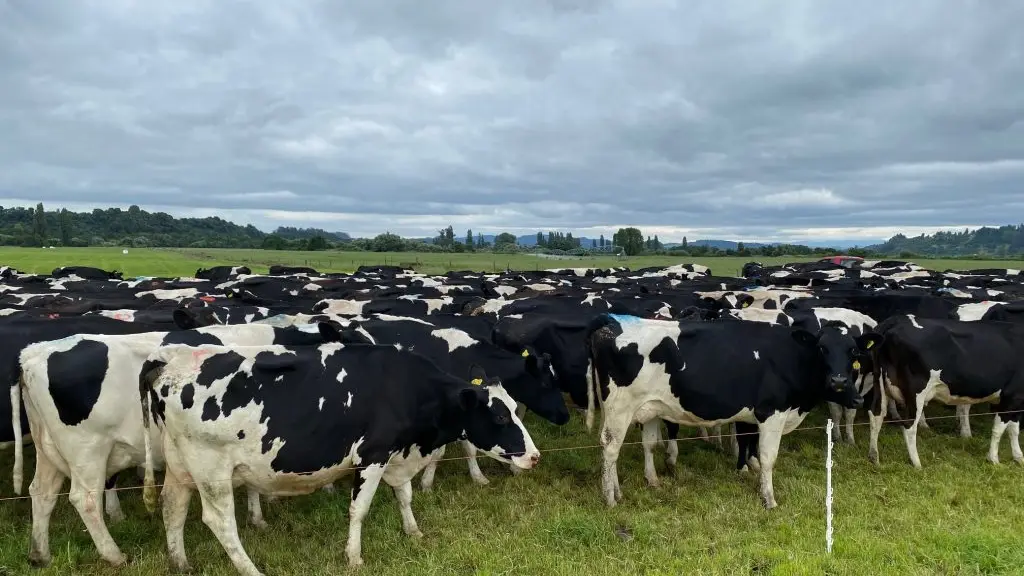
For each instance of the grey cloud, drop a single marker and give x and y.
(736, 118)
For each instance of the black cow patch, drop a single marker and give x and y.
(76, 378)
(210, 410)
(241, 391)
(218, 367)
(241, 434)
(188, 393)
(190, 337)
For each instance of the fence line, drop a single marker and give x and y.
(827, 427)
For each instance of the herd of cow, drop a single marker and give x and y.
(285, 382)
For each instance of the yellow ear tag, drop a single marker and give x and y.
(526, 353)
(746, 304)
(856, 364)
(476, 381)
(870, 344)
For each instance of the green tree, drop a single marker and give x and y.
(685, 243)
(480, 240)
(593, 243)
(631, 240)
(505, 239)
(316, 243)
(66, 230)
(274, 242)
(39, 224)
(469, 239)
(601, 242)
(540, 239)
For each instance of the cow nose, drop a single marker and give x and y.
(534, 458)
(839, 381)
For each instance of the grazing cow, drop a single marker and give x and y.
(957, 363)
(289, 420)
(79, 394)
(704, 374)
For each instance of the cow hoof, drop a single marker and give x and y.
(653, 483)
(329, 488)
(37, 561)
(993, 459)
(117, 561)
(744, 470)
(258, 524)
(481, 481)
(426, 487)
(965, 433)
(415, 534)
(355, 562)
(850, 442)
(181, 568)
(873, 458)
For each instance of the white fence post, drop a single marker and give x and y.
(828, 488)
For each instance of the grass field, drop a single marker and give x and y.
(959, 515)
(185, 261)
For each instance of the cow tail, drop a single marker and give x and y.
(19, 443)
(150, 372)
(593, 385)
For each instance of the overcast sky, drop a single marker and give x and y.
(795, 119)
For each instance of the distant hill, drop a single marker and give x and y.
(998, 242)
(291, 233)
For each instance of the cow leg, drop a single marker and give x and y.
(255, 510)
(363, 489)
(910, 432)
(176, 495)
(613, 433)
(716, 435)
(219, 516)
(923, 420)
(650, 437)
(850, 414)
(474, 467)
(111, 502)
(427, 482)
(875, 422)
(768, 450)
(86, 488)
(44, 489)
(894, 411)
(734, 441)
(703, 432)
(746, 439)
(403, 493)
(328, 488)
(1014, 428)
(671, 444)
(998, 427)
(835, 412)
(963, 413)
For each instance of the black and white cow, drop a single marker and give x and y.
(526, 375)
(706, 374)
(289, 420)
(79, 394)
(957, 363)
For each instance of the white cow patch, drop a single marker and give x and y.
(341, 375)
(757, 355)
(348, 403)
(321, 406)
(454, 337)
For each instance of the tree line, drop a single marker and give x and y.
(136, 227)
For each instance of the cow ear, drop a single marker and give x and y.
(477, 373)
(329, 331)
(184, 319)
(804, 337)
(868, 341)
(744, 300)
(353, 336)
(470, 398)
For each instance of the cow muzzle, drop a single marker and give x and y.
(527, 461)
(838, 382)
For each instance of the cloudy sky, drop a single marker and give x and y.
(801, 120)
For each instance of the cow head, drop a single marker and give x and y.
(841, 354)
(192, 318)
(536, 386)
(491, 423)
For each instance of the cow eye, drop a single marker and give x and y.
(501, 419)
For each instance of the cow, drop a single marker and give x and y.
(709, 374)
(957, 363)
(526, 375)
(288, 420)
(86, 421)
(221, 273)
